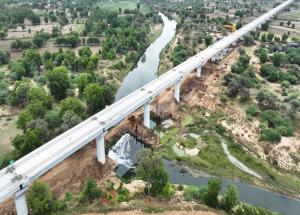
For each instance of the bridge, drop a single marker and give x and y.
(15, 179)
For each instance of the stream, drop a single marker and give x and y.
(147, 66)
(125, 149)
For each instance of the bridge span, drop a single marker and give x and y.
(15, 179)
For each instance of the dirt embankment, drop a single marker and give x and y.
(71, 174)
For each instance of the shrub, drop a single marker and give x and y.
(90, 190)
(230, 199)
(168, 191)
(245, 209)
(189, 142)
(213, 189)
(180, 187)
(269, 134)
(123, 194)
(252, 111)
(39, 198)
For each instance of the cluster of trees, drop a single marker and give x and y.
(241, 79)
(40, 119)
(273, 74)
(274, 125)
(123, 34)
(12, 16)
(39, 39)
(180, 54)
(150, 168)
(19, 45)
(41, 201)
(71, 40)
(210, 195)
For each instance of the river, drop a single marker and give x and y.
(123, 152)
(147, 66)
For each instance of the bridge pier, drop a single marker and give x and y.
(147, 114)
(199, 72)
(20, 202)
(100, 149)
(177, 91)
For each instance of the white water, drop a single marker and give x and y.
(121, 152)
(237, 163)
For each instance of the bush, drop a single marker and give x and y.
(269, 134)
(123, 194)
(230, 199)
(39, 199)
(193, 193)
(189, 142)
(252, 111)
(213, 189)
(90, 190)
(180, 187)
(168, 191)
(245, 209)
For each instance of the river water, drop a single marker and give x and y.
(146, 70)
(124, 151)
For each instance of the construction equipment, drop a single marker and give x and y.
(231, 27)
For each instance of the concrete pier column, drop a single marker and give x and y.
(21, 205)
(147, 114)
(199, 72)
(100, 149)
(177, 91)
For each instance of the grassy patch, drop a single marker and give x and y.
(189, 142)
(128, 4)
(187, 120)
(280, 179)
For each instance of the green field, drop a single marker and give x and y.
(129, 4)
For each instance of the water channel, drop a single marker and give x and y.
(123, 152)
(148, 64)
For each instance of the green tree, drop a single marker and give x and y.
(36, 109)
(39, 199)
(21, 93)
(53, 119)
(208, 40)
(270, 36)
(24, 119)
(90, 190)
(284, 37)
(213, 189)
(265, 26)
(29, 141)
(230, 199)
(249, 40)
(58, 82)
(17, 69)
(81, 81)
(93, 95)
(40, 94)
(150, 168)
(278, 59)
(72, 104)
